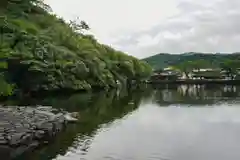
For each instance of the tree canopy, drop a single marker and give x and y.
(40, 51)
(230, 67)
(164, 60)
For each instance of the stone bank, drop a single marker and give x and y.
(23, 129)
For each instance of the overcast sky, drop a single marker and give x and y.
(146, 27)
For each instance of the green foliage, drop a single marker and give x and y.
(187, 66)
(231, 67)
(164, 59)
(43, 52)
(228, 66)
(6, 89)
(200, 64)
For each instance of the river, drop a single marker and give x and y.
(159, 123)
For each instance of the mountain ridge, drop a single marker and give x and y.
(163, 60)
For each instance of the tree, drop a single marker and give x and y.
(82, 25)
(45, 52)
(231, 67)
(185, 67)
(188, 66)
(200, 64)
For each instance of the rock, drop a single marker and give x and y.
(56, 117)
(3, 141)
(19, 138)
(69, 118)
(39, 134)
(72, 117)
(47, 127)
(33, 145)
(75, 114)
(24, 128)
(57, 127)
(27, 138)
(46, 113)
(44, 108)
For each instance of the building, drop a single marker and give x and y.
(207, 74)
(166, 74)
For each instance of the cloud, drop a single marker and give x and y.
(143, 28)
(200, 26)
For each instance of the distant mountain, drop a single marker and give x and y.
(163, 60)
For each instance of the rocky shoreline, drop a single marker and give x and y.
(23, 129)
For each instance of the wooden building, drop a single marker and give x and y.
(208, 74)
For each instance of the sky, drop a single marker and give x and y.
(142, 28)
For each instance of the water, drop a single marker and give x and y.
(164, 123)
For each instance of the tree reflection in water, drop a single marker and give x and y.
(103, 108)
(195, 94)
(95, 109)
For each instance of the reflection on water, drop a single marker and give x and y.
(196, 95)
(159, 123)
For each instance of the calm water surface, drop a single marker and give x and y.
(165, 123)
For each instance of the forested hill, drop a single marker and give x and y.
(42, 52)
(163, 60)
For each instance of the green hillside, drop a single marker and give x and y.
(163, 60)
(39, 51)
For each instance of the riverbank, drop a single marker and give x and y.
(196, 81)
(23, 129)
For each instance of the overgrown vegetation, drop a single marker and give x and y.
(42, 52)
